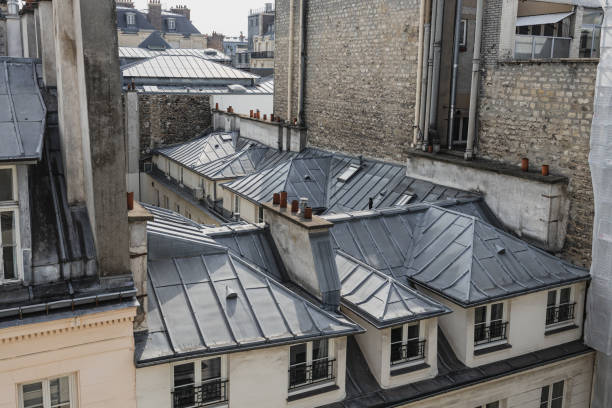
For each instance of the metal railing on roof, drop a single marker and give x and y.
(409, 351)
(303, 375)
(559, 314)
(262, 54)
(496, 331)
(541, 47)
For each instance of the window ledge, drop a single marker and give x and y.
(561, 329)
(409, 369)
(311, 392)
(492, 349)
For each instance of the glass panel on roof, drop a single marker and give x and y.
(348, 173)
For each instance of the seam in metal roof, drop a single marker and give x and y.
(183, 67)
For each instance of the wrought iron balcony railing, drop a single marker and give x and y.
(262, 54)
(302, 375)
(211, 392)
(496, 331)
(405, 352)
(559, 314)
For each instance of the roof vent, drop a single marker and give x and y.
(499, 249)
(216, 146)
(236, 88)
(230, 293)
(307, 178)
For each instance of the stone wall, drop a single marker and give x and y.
(169, 119)
(2, 35)
(543, 111)
(360, 73)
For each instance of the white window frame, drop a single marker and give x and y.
(197, 366)
(463, 32)
(12, 206)
(549, 401)
(331, 355)
(558, 303)
(46, 391)
(487, 322)
(130, 18)
(405, 340)
(171, 24)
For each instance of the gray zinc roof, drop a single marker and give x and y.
(132, 53)
(203, 150)
(263, 88)
(23, 113)
(459, 256)
(205, 300)
(183, 67)
(381, 299)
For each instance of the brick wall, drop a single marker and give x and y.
(360, 76)
(169, 119)
(543, 111)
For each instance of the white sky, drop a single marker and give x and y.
(227, 17)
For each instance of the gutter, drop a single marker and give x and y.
(453, 95)
(417, 108)
(290, 66)
(302, 68)
(469, 150)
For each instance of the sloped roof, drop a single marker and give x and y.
(316, 174)
(459, 256)
(182, 24)
(183, 67)
(154, 42)
(381, 299)
(23, 113)
(205, 300)
(144, 53)
(203, 150)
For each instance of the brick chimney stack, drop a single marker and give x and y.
(182, 10)
(154, 15)
(125, 3)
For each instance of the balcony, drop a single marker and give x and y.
(495, 332)
(303, 375)
(209, 393)
(528, 47)
(262, 54)
(407, 352)
(560, 314)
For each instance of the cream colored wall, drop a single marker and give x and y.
(148, 185)
(97, 348)
(257, 378)
(523, 389)
(375, 344)
(526, 330)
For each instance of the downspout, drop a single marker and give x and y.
(453, 95)
(435, 20)
(417, 107)
(435, 77)
(302, 69)
(469, 151)
(290, 66)
(424, 73)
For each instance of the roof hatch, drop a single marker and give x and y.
(349, 173)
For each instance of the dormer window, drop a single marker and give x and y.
(310, 364)
(559, 308)
(130, 19)
(9, 232)
(489, 325)
(171, 24)
(406, 344)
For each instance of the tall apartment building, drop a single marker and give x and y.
(261, 40)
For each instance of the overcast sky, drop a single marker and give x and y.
(228, 17)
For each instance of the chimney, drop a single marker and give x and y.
(14, 45)
(305, 248)
(182, 10)
(128, 4)
(91, 126)
(154, 15)
(138, 217)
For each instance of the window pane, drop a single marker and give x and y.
(396, 334)
(6, 185)
(544, 397)
(565, 296)
(60, 391)
(481, 314)
(497, 311)
(32, 395)
(319, 349)
(7, 229)
(211, 368)
(552, 298)
(492, 405)
(297, 354)
(557, 391)
(184, 374)
(413, 332)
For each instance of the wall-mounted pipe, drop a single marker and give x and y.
(424, 74)
(417, 106)
(469, 151)
(302, 68)
(290, 64)
(453, 95)
(435, 76)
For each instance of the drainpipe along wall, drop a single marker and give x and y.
(424, 73)
(290, 65)
(302, 69)
(453, 95)
(469, 151)
(417, 107)
(432, 105)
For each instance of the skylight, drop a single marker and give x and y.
(348, 173)
(226, 137)
(404, 199)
